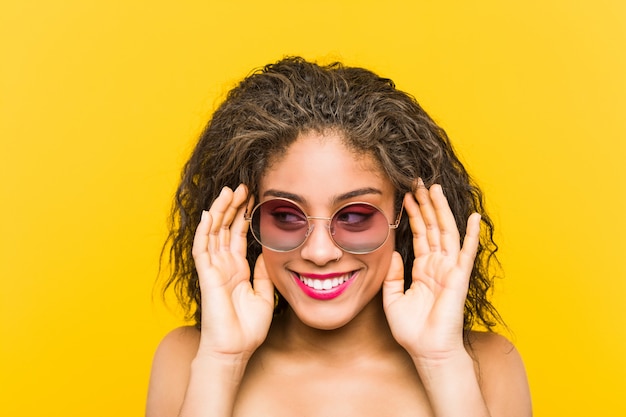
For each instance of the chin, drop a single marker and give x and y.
(325, 316)
(324, 323)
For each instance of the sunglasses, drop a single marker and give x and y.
(282, 225)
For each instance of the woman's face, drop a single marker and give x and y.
(325, 286)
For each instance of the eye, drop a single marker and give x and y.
(356, 217)
(287, 215)
(284, 215)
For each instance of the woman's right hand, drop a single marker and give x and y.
(235, 314)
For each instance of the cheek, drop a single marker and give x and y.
(275, 265)
(271, 259)
(380, 262)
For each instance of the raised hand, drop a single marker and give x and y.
(427, 319)
(235, 315)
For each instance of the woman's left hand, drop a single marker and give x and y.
(427, 319)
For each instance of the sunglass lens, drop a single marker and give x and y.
(279, 225)
(359, 228)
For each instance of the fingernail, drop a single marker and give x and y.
(204, 215)
(420, 183)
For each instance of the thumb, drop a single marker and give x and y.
(393, 286)
(261, 282)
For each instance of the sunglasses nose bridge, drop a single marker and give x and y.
(327, 220)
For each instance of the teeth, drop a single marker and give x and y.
(323, 284)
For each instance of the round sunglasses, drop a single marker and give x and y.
(282, 225)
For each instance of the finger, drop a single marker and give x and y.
(393, 285)
(200, 250)
(470, 243)
(261, 282)
(239, 228)
(217, 211)
(420, 235)
(227, 219)
(448, 231)
(428, 215)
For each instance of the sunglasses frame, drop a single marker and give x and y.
(392, 226)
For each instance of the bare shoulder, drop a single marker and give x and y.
(480, 343)
(501, 373)
(180, 341)
(170, 371)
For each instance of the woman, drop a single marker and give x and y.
(327, 242)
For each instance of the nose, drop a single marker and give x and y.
(319, 248)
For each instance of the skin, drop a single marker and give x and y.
(374, 350)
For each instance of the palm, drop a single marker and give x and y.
(427, 319)
(235, 316)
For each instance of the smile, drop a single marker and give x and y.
(323, 284)
(325, 287)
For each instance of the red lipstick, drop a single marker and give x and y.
(324, 286)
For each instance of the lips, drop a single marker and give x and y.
(324, 287)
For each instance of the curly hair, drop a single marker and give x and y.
(270, 108)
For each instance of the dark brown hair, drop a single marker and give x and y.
(270, 108)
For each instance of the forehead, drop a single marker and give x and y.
(319, 167)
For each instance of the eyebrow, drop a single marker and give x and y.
(337, 199)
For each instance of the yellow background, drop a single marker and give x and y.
(101, 101)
